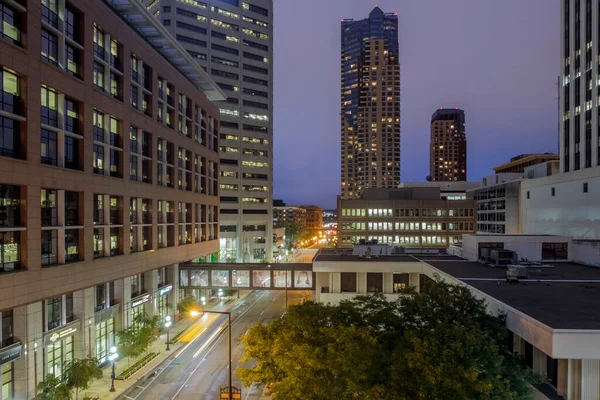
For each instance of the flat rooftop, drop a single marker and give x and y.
(328, 257)
(558, 305)
(562, 295)
(472, 270)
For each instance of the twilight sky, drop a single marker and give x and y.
(497, 60)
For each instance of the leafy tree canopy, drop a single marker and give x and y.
(438, 344)
(135, 340)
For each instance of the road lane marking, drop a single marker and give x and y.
(213, 345)
(208, 342)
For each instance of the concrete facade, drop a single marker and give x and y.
(566, 204)
(412, 217)
(100, 195)
(233, 42)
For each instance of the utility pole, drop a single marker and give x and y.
(230, 389)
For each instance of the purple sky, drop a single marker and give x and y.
(497, 60)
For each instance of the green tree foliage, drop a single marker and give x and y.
(79, 374)
(293, 232)
(439, 344)
(135, 340)
(53, 388)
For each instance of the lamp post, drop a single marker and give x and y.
(113, 359)
(168, 326)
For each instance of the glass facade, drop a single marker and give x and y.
(370, 103)
(57, 354)
(105, 338)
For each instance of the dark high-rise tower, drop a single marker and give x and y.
(579, 113)
(370, 104)
(448, 147)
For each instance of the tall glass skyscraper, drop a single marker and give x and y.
(370, 103)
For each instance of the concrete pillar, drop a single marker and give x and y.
(388, 282)
(84, 302)
(574, 385)
(173, 296)
(539, 361)
(151, 284)
(517, 343)
(20, 366)
(414, 280)
(590, 379)
(123, 297)
(34, 340)
(362, 282)
(563, 377)
(83, 309)
(336, 286)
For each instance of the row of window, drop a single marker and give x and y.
(411, 241)
(407, 226)
(407, 212)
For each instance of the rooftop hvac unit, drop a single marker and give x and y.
(515, 272)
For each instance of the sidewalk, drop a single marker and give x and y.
(101, 387)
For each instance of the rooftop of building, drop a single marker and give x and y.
(328, 257)
(150, 29)
(523, 158)
(560, 295)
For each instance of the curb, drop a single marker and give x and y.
(157, 368)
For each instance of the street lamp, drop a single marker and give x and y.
(113, 359)
(168, 326)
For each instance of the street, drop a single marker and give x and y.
(199, 369)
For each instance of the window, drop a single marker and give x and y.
(72, 19)
(528, 195)
(72, 58)
(115, 239)
(98, 242)
(99, 76)
(256, 9)
(49, 47)
(99, 42)
(374, 282)
(50, 12)
(10, 24)
(71, 116)
(348, 282)
(71, 245)
(49, 207)
(585, 187)
(553, 191)
(49, 106)
(187, 39)
(10, 138)
(71, 152)
(98, 159)
(98, 209)
(10, 94)
(48, 147)
(49, 247)
(224, 49)
(555, 251)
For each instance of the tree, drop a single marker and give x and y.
(53, 388)
(80, 373)
(293, 231)
(187, 305)
(438, 344)
(135, 340)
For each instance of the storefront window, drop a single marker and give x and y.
(57, 354)
(162, 307)
(105, 338)
(7, 381)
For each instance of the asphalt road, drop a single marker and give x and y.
(201, 368)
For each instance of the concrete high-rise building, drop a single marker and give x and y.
(448, 146)
(579, 133)
(108, 180)
(370, 104)
(233, 41)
